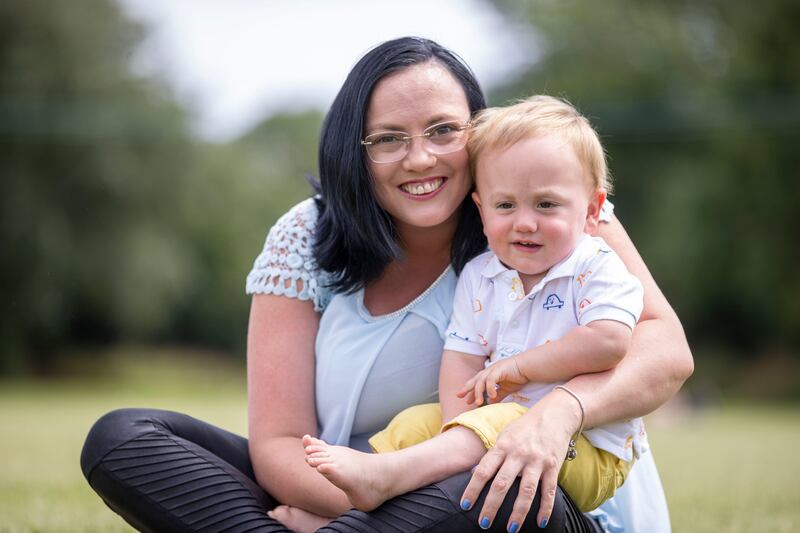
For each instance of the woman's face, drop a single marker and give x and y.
(422, 190)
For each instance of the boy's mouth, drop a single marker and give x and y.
(527, 245)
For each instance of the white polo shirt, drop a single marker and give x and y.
(492, 317)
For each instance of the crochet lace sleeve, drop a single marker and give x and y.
(286, 265)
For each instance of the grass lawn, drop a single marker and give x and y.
(724, 469)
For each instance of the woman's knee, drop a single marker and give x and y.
(111, 431)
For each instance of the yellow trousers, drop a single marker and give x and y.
(590, 479)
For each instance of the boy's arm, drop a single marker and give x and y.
(595, 347)
(456, 369)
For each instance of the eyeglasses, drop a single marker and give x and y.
(439, 139)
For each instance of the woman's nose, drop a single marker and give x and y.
(418, 157)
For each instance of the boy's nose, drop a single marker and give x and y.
(525, 222)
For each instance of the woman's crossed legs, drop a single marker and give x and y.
(165, 471)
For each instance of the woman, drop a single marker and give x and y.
(352, 294)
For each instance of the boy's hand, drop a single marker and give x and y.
(498, 381)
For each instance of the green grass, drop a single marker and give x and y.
(724, 469)
(731, 469)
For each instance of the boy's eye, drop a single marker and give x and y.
(505, 205)
(546, 205)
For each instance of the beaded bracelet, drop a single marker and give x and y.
(572, 453)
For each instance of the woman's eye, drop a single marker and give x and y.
(386, 138)
(442, 129)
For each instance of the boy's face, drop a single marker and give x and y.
(536, 201)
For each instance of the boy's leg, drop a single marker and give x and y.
(369, 479)
(409, 427)
(593, 476)
(487, 421)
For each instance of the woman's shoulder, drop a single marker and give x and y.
(300, 220)
(286, 264)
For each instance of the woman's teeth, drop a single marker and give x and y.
(422, 188)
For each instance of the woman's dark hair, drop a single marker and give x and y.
(355, 238)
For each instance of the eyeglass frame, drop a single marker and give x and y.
(406, 139)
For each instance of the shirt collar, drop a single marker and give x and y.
(565, 268)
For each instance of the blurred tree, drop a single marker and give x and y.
(118, 225)
(698, 105)
(92, 161)
(241, 190)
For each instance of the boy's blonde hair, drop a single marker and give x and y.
(538, 115)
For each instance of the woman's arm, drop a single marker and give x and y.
(534, 446)
(280, 385)
(658, 362)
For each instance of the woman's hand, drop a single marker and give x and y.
(533, 447)
(497, 381)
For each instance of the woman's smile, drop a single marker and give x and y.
(424, 189)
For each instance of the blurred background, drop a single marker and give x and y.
(146, 148)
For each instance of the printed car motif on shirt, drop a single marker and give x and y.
(553, 301)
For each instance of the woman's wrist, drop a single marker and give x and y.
(567, 408)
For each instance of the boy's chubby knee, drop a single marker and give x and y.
(409, 427)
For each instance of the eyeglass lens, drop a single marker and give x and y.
(390, 146)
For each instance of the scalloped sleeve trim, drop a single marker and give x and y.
(286, 265)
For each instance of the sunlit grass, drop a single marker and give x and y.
(44, 424)
(731, 469)
(724, 469)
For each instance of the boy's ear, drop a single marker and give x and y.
(477, 200)
(596, 201)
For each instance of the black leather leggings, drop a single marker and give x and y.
(165, 471)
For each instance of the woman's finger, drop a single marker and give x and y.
(498, 490)
(527, 492)
(481, 475)
(547, 496)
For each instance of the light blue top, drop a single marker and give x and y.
(369, 368)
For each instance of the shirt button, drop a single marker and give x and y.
(512, 296)
(515, 324)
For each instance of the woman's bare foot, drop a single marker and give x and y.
(297, 519)
(366, 478)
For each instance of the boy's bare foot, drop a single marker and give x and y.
(297, 519)
(365, 478)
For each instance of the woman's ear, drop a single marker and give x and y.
(596, 201)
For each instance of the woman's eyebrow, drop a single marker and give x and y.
(383, 127)
(436, 119)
